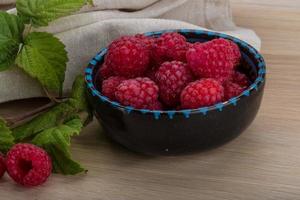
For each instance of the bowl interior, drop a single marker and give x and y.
(252, 65)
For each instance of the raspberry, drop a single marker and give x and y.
(109, 86)
(139, 93)
(128, 57)
(214, 59)
(240, 79)
(28, 164)
(2, 165)
(169, 47)
(236, 52)
(115, 42)
(171, 78)
(231, 90)
(104, 72)
(155, 106)
(151, 73)
(147, 41)
(205, 92)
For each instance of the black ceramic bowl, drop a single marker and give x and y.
(175, 132)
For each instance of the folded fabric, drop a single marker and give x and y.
(91, 29)
(5, 2)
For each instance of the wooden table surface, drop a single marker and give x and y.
(263, 163)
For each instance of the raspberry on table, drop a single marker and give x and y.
(2, 165)
(231, 90)
(128, 57)
(169, 47)
(110, 85)
(213, 59)
(200, 93)
(171, 78)
(240, 79)
(140, 93)
(28, 164)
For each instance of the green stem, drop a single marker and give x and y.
(15, 121)
(27, 30)
(53, 98)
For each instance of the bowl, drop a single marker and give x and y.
(177, 132)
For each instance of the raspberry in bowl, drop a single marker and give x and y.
(175, 91)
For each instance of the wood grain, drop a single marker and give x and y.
(6, 7)
(263, 163)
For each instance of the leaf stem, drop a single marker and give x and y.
(51, 97)
(15, 121)
(27, 30)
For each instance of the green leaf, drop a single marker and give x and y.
(79, 93)
(62, 163)
(11, 29)
(90, 2)
(41, 12)
(59, 136)
(44, 57)
(6, 137)
(56, 141)
(49, 119)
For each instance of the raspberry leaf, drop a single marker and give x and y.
(91, 2)
(6, 137)
(56, 115)
(79, 95)
(41, 12)
(44, 57)
(56, 141)
(59, 136)
(63, 164)
(46, 120)
(11, 30)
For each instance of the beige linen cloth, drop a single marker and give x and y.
(87, 31)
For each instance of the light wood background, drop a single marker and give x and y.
(263, 163)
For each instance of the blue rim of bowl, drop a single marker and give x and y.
(186, 113)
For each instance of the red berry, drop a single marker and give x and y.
(231, 90)
(155, 106)
(205, 92)
(171, 78)
(28, 164)
(2, 165)
(241, 79)
(214, 59)
(128, 57)
(151, 73)
(139, 93)
(236, 52)
(147, 41)
(110, 85)
(105, 71)
(169, 47)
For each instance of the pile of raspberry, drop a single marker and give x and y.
(169, 73)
